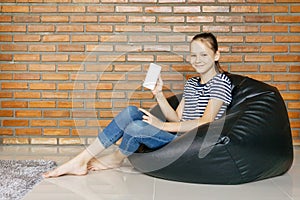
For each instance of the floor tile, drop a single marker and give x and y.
(128, 184)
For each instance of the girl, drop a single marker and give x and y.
(205, 98)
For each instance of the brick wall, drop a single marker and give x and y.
(68, 66)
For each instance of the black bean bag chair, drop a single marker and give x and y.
(251, 142)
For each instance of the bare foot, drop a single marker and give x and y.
(69, 168)
(106, 162)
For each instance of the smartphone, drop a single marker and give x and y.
(152, 76)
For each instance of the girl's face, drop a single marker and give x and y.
(203, 58)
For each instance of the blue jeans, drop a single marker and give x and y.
(129, 125)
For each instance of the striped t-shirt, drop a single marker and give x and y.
(197, 95)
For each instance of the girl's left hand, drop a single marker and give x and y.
(151, 119)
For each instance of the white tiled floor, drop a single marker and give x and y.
(127, 184)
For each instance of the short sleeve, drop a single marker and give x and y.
(221, 89)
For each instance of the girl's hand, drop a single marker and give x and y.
(158, 87)
(151, 119)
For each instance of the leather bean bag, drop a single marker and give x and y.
(251, 142)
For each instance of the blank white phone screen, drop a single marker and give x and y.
(152, 76)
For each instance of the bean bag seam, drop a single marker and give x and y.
(235, 164)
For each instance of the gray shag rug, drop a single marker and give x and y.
(18, 177)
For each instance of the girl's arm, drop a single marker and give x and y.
(209, 115)
(170, 114)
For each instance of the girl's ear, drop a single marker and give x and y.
(217, 56)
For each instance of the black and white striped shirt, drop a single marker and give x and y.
(197, 95)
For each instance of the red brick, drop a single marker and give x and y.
(158, 9)
(129, 9)
(70, 141)
(215, 9)
(187, 9)
(244, 29)
(274, 9)
(13, 47)
(99, 28)
(95, 48)
(41, 28)
(182, 29)
(55, 58)
(84, 114)
(295, 48)
(6, 113)
(259, 38)
(27, 38)
(12, 28)
(83, 95)
(99, 86)
(55, 77)
(56, 113)
(100, 9)
(70, 48)
(85, 132)
(6, 94)
(258, 58)
(42, 48)
(244, 9)
(27, 57)
(6, 76)
(14, 104)
(15, 9)
(5, 38)
(5, 57)
(83, 19)
(15, 122)
(110, 95)
(287, 19)
(39, 141)
(56, 19)
(6, 131)
(290, 38)
(26, 19)
(56, 38)
(42, 86)
(273, 68)
(133, 28)
(72, 123)
(12, 86)
(26, 76)
(295, 9)
(98, 105)
(5, 18)
(15, 141)
(56, 131)
(287, 77)
(55, 95)
(231, 19)
(287, 58)
(67, 104)
(69, 28)
(43, 9)
(28, 113)
(195, 19)
(42, 104)
(151, 19)
(85, 38)
(28, 131)
(13, 67)
(75, 9)
(27, 95)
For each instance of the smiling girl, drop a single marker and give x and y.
(205, 98)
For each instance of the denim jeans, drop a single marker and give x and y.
(129, 125)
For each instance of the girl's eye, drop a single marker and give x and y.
(204, 54)
(193, 56)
